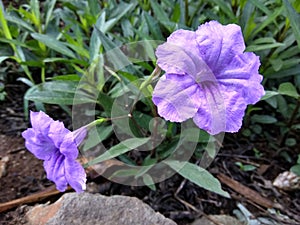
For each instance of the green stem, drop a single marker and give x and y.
(148, 81)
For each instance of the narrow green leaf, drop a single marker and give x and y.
(123, 9)
(19, 22)
(288, 89)
(260, 5)
(226, 8)
(115, 55)
(294, 18)
(153, 27)
(263, 119)
(49, 13)
(119, 149)
(94, 7)
(35, 10)
(54, 44)
(95, 41)
(256, 48)
(147, 179)
(164, 19)
(270, 19)
(284, 73)
(198, 175)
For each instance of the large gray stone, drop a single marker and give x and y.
(94, 209)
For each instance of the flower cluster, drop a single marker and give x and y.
(50, 141)
(208, 78)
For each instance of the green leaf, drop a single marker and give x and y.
(259, 4)
(19, 22)
(296, 169)
(95, 41)
(35, 10)
(115, 56)
(56, 92)
(270, 19)
(119, 149)
(294, 18)
(198, 175)
(97, 135)
(226, 8)
(290, 142)
(288, 89)
(53, 44)
(147, 179)
(269, 94)
(49, 13)
(153, 27)
(256, 48)
(264, 119)
(121, 10)
(159, 12)
(284, 73)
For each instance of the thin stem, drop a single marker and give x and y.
(186, 12)
(294, 114)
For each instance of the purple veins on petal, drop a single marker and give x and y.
(208, 77)
(50, 141)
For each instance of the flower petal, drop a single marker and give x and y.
(69, 147)
(75, 175)
(176, 97)
(211, 114)
(178, 54)
(218, 44)
(57, 132)
(227, 116)
(242, 74)
(38, 144)
(40, 121)
(55, 170)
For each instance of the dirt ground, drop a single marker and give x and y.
(23, 175)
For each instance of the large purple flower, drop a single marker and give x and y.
(208, 78)
(50, 141)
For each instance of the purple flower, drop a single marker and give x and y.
(208, 78)
(50, 141)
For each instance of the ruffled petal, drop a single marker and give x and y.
(68, 147)
(40, 121)
(218, 44)
(75, 175)
(178, 55)
(57, 132)
(176, 97)
(221, 117)
(242, 75)
(55, 170)
(38, 144)
(211, 114)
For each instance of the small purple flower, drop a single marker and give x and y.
(50, 141)
(208, 78)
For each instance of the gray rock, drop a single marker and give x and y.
(94, 209)
(217, 219)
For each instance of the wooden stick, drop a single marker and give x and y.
(248, 193)
(36, 197)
